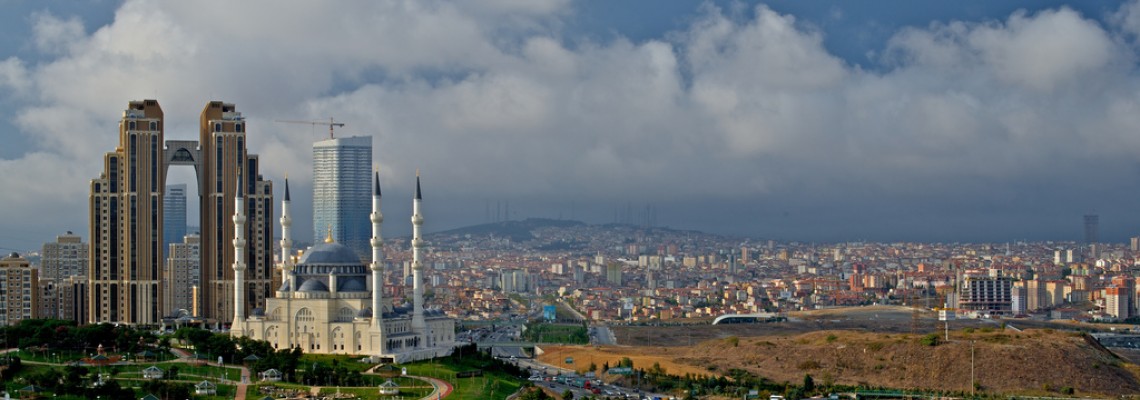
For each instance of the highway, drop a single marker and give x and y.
(548, 375)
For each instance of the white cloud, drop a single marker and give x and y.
(491, 101)
(14, 75)
(55, 36)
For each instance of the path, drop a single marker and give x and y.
(440, 388)
(244, 382)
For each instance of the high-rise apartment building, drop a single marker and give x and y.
(126, 222)
(986, 293)
(18, 285)
(66, 256)
(1092, 229)
(341, 185)
(174, 214)
(613, 274)
(47, 299)
(225, 158)
(127, 201)
(182, 273)
(1117, 302)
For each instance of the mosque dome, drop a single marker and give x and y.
(352, 284)
(329, 254)
(313, 285)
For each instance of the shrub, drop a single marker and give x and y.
(931, 340)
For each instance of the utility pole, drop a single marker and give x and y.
(973, 385)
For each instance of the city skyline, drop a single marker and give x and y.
(965, 121)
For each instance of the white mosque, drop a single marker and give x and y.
(327, 304)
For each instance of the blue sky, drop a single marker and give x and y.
(825, 121)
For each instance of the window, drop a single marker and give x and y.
(237, 127)
(217, 127)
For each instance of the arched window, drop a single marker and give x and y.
(345, 314)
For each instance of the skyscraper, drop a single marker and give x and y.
(225, 158)
(174, 214)
(341, 186)
(1092, 228)
(127, 204)
(126, 221)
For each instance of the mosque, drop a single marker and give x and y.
(328, 304)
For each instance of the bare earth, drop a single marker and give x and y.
(864, 346)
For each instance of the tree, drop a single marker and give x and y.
(809, 384)
(593, 367)
(567, 395)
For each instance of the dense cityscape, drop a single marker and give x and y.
(412, 200)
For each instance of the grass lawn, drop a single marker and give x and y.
(492, 385)
(558, 333)
(185, 371)
(352, 363)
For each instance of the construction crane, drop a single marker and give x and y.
(331, 123)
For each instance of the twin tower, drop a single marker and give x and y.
(127, 254)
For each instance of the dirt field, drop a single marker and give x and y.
(1038, 362)
(642, 357)
(873, 346)
(883, 319)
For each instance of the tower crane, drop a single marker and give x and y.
(331, 124)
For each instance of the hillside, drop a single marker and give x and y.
(1038, 361)
(518, 231)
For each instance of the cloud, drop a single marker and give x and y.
(55, 36)
(1039, 52)
(493, 101)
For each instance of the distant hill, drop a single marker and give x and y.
(517, 231)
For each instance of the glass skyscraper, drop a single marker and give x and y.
(174, 214)
(342, 192)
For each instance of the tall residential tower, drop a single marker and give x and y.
(127, 203)
(341, 189)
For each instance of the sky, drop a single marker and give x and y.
(812, 121)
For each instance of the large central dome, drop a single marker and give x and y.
(330, 254)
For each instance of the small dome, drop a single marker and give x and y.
(354, 284)
(284, 286)
(330, 253)
(14, 255)
(313, 285)
(258, 312)
(366, 312)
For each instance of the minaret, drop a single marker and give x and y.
(239, 255)
(377, 258)
(287, 241)
(418, 325)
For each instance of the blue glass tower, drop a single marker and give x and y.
(174, 214)
(342, 193)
